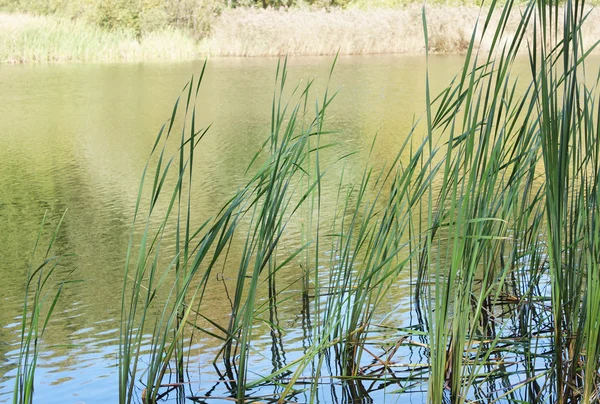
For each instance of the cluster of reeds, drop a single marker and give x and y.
(507, 268)
(491, 206)
(260, 212)
(42, 290)
(494, 214)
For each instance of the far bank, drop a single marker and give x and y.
(250, 32)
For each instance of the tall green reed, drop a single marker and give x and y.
(569, 138)
(42, 292)
(259, 211)
(489, 200)
(160, 294)
(496, 198)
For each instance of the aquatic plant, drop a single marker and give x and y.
(42, 290)
(490, 214)
(493, 214)
(489, 209)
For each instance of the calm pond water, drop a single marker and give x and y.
(77, 137)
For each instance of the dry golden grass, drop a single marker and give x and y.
(270, 32)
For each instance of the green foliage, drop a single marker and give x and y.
(143, 16)
(42, 290)
(35, 39)
(197, 16)
(501, 193)
(34, 6)
(466, 209)
(287, 3)
(137, 16)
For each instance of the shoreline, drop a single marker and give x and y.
(248, 32)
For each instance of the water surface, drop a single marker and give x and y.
(77, 137)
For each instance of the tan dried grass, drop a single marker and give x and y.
(271, 32)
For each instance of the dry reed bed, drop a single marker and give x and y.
(271, 32)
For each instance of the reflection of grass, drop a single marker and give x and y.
(25, 38)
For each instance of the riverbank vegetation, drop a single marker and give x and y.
(30, 39)
(124, 30)
(490, 212)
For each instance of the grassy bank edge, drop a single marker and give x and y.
(253, 32)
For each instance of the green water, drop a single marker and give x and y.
(77, 137)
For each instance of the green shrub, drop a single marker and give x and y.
(136, 16)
